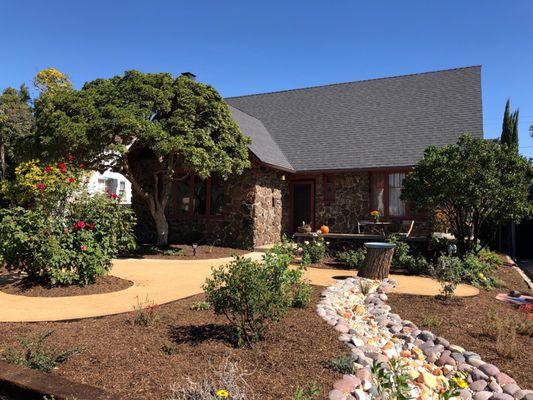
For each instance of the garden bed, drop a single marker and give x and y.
(127, 359)
(185, 252)
(471, 323)
(13, 283)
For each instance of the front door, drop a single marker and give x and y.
(302, 204)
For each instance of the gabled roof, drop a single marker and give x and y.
(386, 122)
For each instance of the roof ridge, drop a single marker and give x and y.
(349, 82)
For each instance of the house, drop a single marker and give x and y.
(327, 155)
(112, 183)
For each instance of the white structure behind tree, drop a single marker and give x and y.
(112, 183)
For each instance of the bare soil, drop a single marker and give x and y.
(470, 323)
(185, 252)
(127, 359)
(16, 284)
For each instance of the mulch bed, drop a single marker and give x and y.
(127, 359)
(202, 252)
(467, 322)
(16, 284)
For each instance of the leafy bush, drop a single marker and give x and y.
(64, 236)
(403, 257)
(352, 258)
(35, 355)
(201, 306)
(309, 392)
(145, 313)
(391, 381)
(344, 364)
(249, 295)
(314, 250)
(448, 271)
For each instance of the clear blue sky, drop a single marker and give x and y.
(244, 47)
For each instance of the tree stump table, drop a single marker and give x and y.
(377, 260)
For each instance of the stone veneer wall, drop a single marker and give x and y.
(252, 214)
(349, 206)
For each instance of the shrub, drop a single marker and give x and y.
(404, 258)
(352, 258)
(170, 349)
(250, 295)
(309, 392)
(447, 271)
(145, 313)
(65, 236)
(201, 306)
(35, 355)
(344, 364)
(391, 381)
(314, 250)
(225, 381)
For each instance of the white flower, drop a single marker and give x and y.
(306, 242)
(327, 243)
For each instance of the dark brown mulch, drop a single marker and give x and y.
(467, 322)
(202, 252)
(127, 359)
(13, 283)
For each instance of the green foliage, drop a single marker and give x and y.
(16, 125)
(352, 258)
(253, 294)
(175, 122)
(404, 258)
(474, 183)
(314, 250)
(170, 349)
(66, 236)
(145, 313)
(201, 306)
(477, 268)
(449, 272)
(309, 392)
(36, 355)
(343, 364)
(509, 136)
(391, 381)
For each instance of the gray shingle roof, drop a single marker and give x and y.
(385, 122)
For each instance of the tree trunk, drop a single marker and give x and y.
(161, 226)
(377, 263)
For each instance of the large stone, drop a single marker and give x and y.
(364, 374)
(493, 385)
(478, 374)
(347, 384)
(503, 379)
(441, 340)
(501, 396)
(458, 357)
(485, 395)
(465, 394)
(427, 379)
(342, 327)
(475, 362)
(489, 369)
(336, 395)
(478, 386)
(458, 349)
(511, 388)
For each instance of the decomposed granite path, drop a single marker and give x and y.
(164, 281)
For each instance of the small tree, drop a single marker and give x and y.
(172, 122)
(509, 134)
(472, 182)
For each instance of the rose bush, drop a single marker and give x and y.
(57, 233)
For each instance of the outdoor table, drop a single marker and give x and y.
(378, 226)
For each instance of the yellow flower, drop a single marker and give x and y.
(375, 212)
(222, 393)
(460, 382)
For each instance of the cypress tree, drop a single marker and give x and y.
(506, 126)
(514, 130)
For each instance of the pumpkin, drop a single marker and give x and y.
(324, 229)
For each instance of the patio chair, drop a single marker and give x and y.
(406, 228)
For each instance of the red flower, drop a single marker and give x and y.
(71, 180)
(80, 224)
(48, 169)
(41, 186)
(91, 225)
(83, 247)
(70, 157)
(114, 196)
(62, 167)
(82, 165)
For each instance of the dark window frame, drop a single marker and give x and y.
(386, 214)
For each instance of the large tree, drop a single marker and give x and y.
(16, 124)
(474, 182)
(174, 122)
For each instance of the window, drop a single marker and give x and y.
(386, 189)
(329, 188)
(197, 197)
(122, 189)
(108, 185)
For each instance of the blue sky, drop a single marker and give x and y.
(244, 47)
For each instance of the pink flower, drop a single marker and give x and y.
(83, 247)
(71, 180)
(48, 169)
(91, 226)
(62, 167)
(41, 186)
(70, 157)
(80, 224)
(82, 165)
